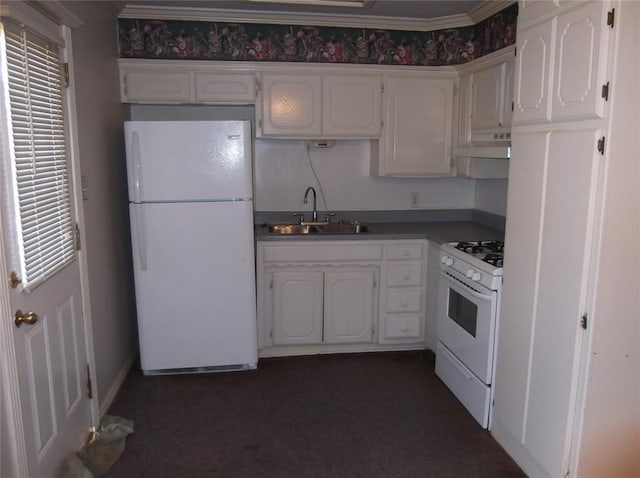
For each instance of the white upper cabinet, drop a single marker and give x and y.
(315, 105)
(533, 63)
(575, 39)
(486, 96)
(162, 83)
(154, 86)
(291, 105)
(486, 103)
(224, 88)
(579, 75)
(418, 119)
(352, 105)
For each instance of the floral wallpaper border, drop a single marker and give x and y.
(204, 40)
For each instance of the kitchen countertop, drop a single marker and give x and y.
(439, 227)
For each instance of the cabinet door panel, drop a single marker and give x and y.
(416, 140)
(221, 88)
(352, 106)
(485, 91)
(579, 75)
(348, 310)
(531, 87)
(291, 105)
(562, 260)
(155, 86)
(297, 308)
(523, 230)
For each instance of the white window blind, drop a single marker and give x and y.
(44, 223)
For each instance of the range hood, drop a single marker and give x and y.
(486, 145)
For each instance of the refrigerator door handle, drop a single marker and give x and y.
(135, 138)
(141, 243)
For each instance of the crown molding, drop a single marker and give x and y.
(57, 12)
(329, 20)
(488, 8)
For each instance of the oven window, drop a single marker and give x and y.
(463, 312)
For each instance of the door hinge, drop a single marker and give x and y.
(89, 383)
(14, 280)
(605, 91)
(515, 51)
(512, 106)
(77, 237)
(583, 321)
(611, 17)
(65, 74)
(270, 284)
(601, 145)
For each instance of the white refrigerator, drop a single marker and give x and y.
(191, 210)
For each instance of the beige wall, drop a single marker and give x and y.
(102, 160)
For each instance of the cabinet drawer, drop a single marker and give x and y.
(402, 326)
(400, 300)
(399, 275)
(318, 252)
(403, 252)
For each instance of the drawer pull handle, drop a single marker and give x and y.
(406, 253)
(404, 328)
(406, 277)
(405, 304)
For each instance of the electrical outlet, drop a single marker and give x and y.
(414, 199)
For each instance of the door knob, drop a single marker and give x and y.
(29, 318)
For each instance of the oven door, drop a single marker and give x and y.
(466, 322)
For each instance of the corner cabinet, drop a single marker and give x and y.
(485, 98)
(316, 105)
(417, 131)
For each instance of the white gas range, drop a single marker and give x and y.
(467, 322)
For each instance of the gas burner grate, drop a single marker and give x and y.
(476, 247)
(493, 259)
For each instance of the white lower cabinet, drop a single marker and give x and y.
(348, 306)
(404, 293)
(317, 306)
(327, 294)
(297, 305)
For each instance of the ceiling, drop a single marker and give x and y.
(392, 13)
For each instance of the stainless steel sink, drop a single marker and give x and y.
(291, 229)
(304, 229)
(344, 228)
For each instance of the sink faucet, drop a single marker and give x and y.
(306, 201)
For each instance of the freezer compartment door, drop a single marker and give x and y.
(188, 160)
(195, 284)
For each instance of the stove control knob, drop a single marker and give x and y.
(476, 276)
(448, 261)
(443, 259)
(470, 273)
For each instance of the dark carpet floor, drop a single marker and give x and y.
(352, 415)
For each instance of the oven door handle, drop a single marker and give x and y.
(467, 289)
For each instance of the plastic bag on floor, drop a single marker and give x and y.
(104, 449)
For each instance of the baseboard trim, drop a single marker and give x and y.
(117, 383)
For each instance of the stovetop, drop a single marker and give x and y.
(478, 261)
(491, 252)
